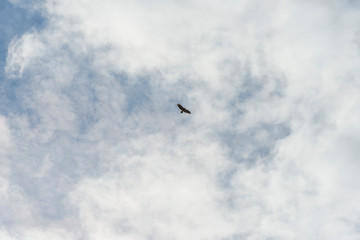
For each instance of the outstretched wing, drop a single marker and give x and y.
(183, 109)
(187, 111)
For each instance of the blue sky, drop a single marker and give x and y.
(93, 146)
(15, 21)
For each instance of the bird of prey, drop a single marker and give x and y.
(183, 109)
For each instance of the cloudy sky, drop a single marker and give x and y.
(93, 147)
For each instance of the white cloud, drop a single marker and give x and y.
(6, 144)
(269, 151)
(21, 52)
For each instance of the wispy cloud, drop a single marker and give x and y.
(94, 146)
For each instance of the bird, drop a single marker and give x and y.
(183, 109)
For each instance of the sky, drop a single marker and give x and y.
(93, 146)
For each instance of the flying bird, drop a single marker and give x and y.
(183, 109)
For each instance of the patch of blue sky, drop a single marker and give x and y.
(139, 95)
(47, 195)
(244, 147)
(84, 98)
(14, 21)
(47, 172)
(251, 86)
(146, 92)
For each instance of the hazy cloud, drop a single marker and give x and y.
(93, 146)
